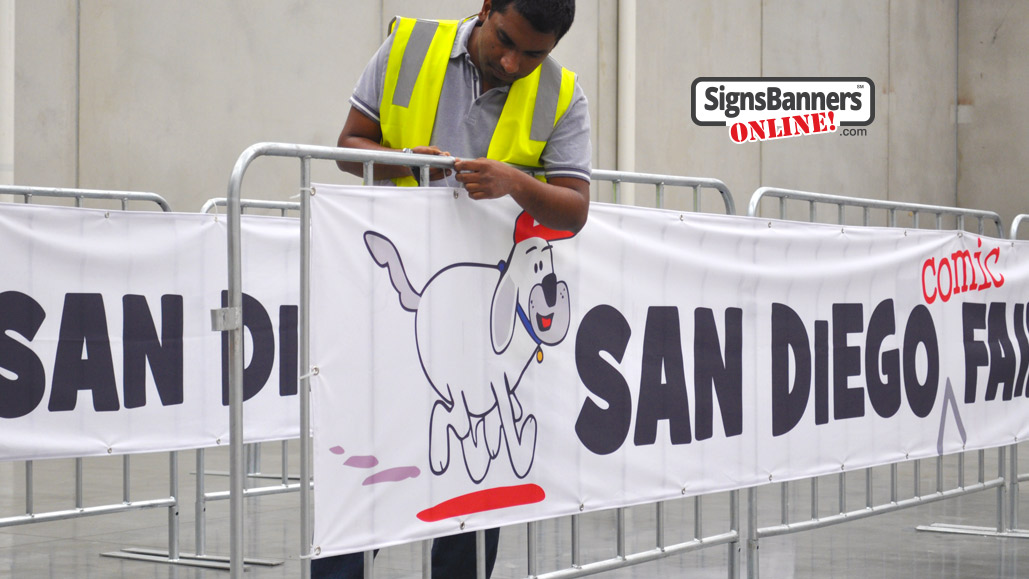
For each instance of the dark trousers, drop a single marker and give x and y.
(453, 557)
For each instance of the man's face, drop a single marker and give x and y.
(507, 47)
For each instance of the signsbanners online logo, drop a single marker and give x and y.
(760, 109)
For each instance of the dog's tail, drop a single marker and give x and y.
(386, 255)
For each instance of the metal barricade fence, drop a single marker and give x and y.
(1017, 478)
(79, 488)
(252, 451)
(661, 182)
(874, 505)
(228, 319)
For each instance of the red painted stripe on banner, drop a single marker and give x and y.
(484, 500)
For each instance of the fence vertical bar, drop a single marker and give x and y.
(753, 566)
(576, 555)
(284, 468)
(305, 365)
(531, 553)
(200, 507)
(659, 525)
(1013, 495)
(78, 484)
(1002, 490)
(480, 554)
(29, 489)
(784, 502)
(734, 527)
(620, 540)
(961, 470)
(814, 497)
(869, 491)
(982, 465)
(126, 479)
(698, 517)
(173, 510)
(843, 492)
(235, 371)
(369, 173)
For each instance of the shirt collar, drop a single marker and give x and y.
(464, 31)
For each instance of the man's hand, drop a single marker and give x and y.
(435, 173)
(560, 203)
(488, 179)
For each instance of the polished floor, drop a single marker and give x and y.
(887, 546)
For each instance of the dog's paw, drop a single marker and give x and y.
(439, 441)
(476, 455)
(524, 451)
(491, 432)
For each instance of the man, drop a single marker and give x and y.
(487, 93)
(507, 41)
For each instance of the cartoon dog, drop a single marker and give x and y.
(474, 348)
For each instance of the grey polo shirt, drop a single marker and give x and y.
(466, 116)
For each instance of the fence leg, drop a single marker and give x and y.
(200, 507)
(752, 545)
(480, 554)
(173, 510)
(1005, 494)
(734, 526)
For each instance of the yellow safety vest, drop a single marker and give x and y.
(414, 80)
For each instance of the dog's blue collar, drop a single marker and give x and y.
(502, 265)
(528, 325)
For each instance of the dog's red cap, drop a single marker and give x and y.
(526, 228)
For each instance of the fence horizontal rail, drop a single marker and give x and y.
(221, 202)
(891, 207)
(79, 194)
(661, 181)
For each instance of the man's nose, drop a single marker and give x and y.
(509, 62)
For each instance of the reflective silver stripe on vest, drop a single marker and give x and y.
(414, 55)
(545, 113)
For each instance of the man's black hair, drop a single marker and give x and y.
(546, 16)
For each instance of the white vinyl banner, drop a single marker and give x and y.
(474, 369)
(106, 344)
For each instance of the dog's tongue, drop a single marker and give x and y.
(545, 322)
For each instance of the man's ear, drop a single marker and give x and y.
(502, 313)
(487, 7)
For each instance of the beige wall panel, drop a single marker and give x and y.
(923, 62)
(813, 38)
(45, 93)
(677, 43)
(604, 107)
(994, 81)
(173, 92)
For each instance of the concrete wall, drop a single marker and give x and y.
(163, 96)
(993, 129)
(6, 92)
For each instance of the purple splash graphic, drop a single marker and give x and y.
(362, 462)
(393, 475)
(336, 450)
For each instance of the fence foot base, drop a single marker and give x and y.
(205, 561)
(977, 531)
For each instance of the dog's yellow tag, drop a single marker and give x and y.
(539, 355)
